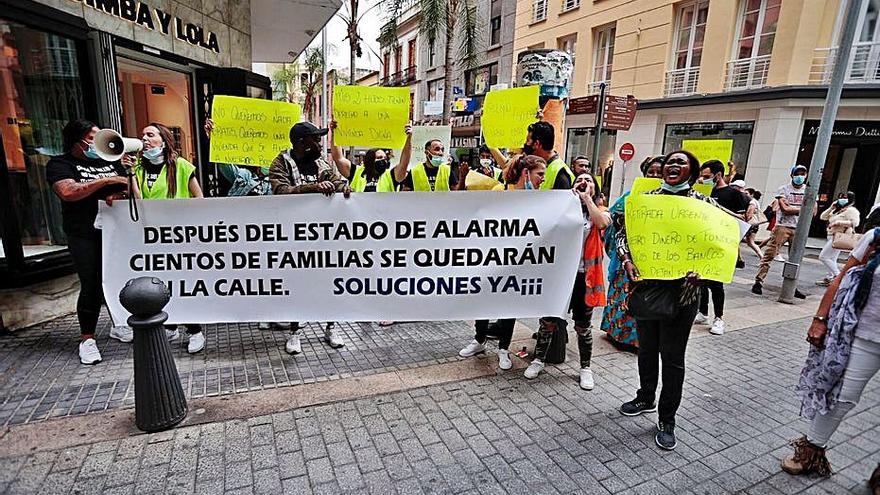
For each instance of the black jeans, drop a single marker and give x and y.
(666, 339)
(505, 331)
(717, 298)
(85, 249)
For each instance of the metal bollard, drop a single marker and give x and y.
(159, 402)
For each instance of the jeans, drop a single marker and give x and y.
(864, 362)
(781, 235)
(717, 289)
(582, 314)
(505, 331)
(666, 339)
(86, 253)
(829, 256)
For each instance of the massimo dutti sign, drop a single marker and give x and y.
(156, 19)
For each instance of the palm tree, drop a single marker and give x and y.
(286, 83)
(311, 87)
(442, 17)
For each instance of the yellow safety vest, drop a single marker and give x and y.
(159, 190)
(553, 169)
(359, 182)
(420, 178)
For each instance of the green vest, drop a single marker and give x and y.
(553, 169)
(159, 190)
(359, 182)
(420, 178)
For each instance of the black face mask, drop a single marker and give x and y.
(312, 153)
(528, 149)
(380, 165)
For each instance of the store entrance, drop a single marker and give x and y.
(150, 93)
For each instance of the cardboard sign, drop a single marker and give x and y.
(250, 131)
(507, 114)
(710, 149)
(374, 117)
(421, 134)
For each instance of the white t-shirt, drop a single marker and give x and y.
(869, 319)
(794, 197)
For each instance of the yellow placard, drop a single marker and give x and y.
(710, 149)
(671, 236)
(645, 184)
(475, 181)
(374, 117)
(507, 114)
(250, 131)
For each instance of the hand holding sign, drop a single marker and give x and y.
(507, 114)
(249, 131)
(367, 116)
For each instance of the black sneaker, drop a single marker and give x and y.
(756, 289)
(665, 437)
(800, 295)
(636, 407)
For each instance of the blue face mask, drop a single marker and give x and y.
(684, 186)
(90, 152)
(842, 202)
(529, 184)
(154, 155)
(709, 182)
(798, 180)
(437, 160)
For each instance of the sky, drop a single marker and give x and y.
(338, 56)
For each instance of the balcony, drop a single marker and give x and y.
(681, 82)
(864, 65)
(399, 78)
(410, 74)
(594, 88)
(747, 73)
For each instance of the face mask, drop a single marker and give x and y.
(709, 182)
(380, 165)
(528, 149)
(90, 152)
(437, 160)
(485, 162)
(842, 202)
(155, 155)
(312, 153)
(798, 180)
(684, 186)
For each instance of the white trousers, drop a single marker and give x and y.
(829, 256)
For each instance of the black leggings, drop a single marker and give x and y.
(717, 298)
(505, 331)
(85, 249)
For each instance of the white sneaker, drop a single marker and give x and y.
(534, 369)
(172, 335)
(504, 362)
(717, 327)
(196, 343)
(293, 345)
(264, 325)
(284, 325)
(88, 352)
(779, 258)
(587, 382)
(331, 335)
(701, 319)
(472, 349)
(122, 333)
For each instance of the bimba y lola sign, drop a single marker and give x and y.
(156, 19)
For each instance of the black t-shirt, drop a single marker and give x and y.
(731, 199)
(79, 216)
(431, 172)
(308, 171)
(151, 172)
(372, 184)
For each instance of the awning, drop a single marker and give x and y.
(282, 26)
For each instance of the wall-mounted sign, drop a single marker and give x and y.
(153, 18)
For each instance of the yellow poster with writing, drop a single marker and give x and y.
(671, 236)
(507, 114)
(710, 149)
(368, 116)
(645, 184)
(250, 131)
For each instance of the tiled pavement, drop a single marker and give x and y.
(499, 434)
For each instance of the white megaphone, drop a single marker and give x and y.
(110, 145)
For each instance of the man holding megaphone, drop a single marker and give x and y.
(81, 177)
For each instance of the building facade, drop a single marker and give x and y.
(753, 72)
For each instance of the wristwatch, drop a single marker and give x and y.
(823, 319)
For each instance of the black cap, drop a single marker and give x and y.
(305, 129)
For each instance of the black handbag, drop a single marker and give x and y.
(654, 300)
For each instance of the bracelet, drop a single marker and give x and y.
(823, 319)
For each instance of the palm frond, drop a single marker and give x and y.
(434, 17)
(388, 32)
(469, 44)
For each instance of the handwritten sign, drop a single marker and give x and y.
(421, 134)
(507, 114)
(370, 116)
(645, 184)
(250, 131)
(671, 236)
(710, 149)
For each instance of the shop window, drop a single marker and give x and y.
(495, 31)
(739, 133)
(40, 91)
(478, 81)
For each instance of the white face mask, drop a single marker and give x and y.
(155, 155)
(486, 162)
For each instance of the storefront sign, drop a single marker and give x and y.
(154, 18)
(432, 107)
(372, 256)
(462, 121)
(853, 129)
(465, 142)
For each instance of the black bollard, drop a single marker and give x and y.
(159, 403)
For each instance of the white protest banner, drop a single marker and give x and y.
(404, 257)
(421, 134)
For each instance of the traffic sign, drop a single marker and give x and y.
(627, 152)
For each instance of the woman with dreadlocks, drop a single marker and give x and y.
(845, 354)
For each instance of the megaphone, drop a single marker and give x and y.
(110, 145)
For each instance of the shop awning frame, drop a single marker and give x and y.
(282, 29)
